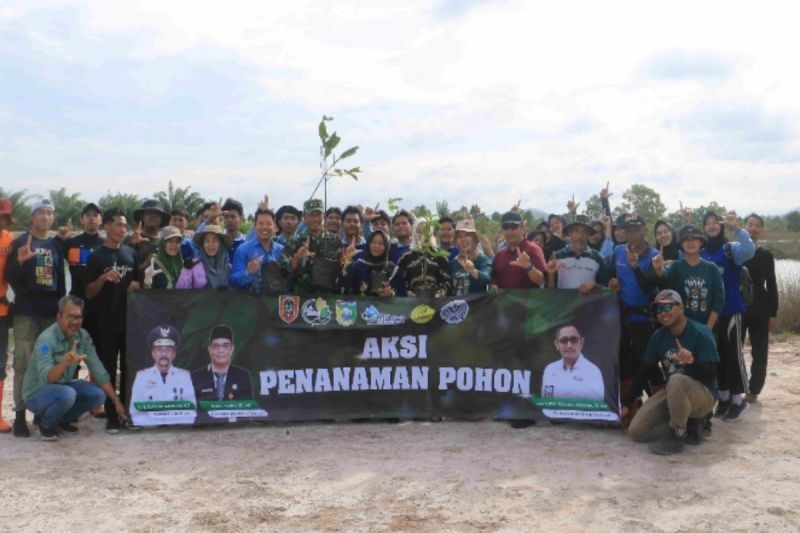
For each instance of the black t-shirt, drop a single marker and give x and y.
(111, 302)
(77, 251)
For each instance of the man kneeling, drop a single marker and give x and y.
(49, 388)
(685, 351)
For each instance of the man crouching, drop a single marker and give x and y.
(684, 352)
(49, 388)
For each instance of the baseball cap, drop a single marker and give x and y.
(313, 205)
(634, 220)
(668, 295)
(91, 206)
(512, 217)
(44, 203)
(170, 232)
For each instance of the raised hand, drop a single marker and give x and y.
(25, 252)
(553, 265)
(516, 207)
(633, 258)
(613, 284)
(523, 261)
(111, 275)
(66, 230)
(606, 192)
(264, 204)
(487, 246)
(385, 291)
(587, 287)
(72, 355)
(684, 356)
(351, 249)
(370, 213)
(150, 272)
(137, 236)
(658, 262)
(731, 222)
(686, 214)
(303, 251)
(572, 205)
(214, 212)
(609, 228)
(254, 265)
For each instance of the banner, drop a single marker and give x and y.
(197, 357)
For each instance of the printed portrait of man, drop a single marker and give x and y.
(221, 380)
(573, 375)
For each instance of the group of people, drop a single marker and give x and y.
(702, 284)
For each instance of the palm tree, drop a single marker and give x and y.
(21, 209)
(180, 197)
(127, 202)
(67, 206)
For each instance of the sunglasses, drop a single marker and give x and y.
(510, 225)
(569, 340)
(663, 308)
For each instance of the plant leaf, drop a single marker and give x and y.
(323, 131)
(331, 143)
(349, 152)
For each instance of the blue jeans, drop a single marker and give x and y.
(57, 402)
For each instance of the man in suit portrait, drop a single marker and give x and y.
(220, 380)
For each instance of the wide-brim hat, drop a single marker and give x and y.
(153, 206)
(466, 225)
(689, 231)
(216, 230)
(580, 220)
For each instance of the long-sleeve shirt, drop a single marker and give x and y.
(765, 286)
(730, 258)
(463, 283)
(51, 347)
(39, 282)
(252, 249)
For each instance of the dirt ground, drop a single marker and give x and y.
(451, 476)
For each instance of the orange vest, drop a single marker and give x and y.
(6, 240)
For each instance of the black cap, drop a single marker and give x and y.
(689, 231)
(511, 216)
(91, 206)
(220, 331)
(619, 222)
(634, 220)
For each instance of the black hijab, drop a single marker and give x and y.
(714, 244)
(670, 250)
(374, 260)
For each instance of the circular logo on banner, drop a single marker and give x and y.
(454, 312)
(422, 314)
(316, 312)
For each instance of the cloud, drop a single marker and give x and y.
(683, 65)
(451, 9)
(741, 131)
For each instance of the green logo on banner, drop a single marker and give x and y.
(570, 404)
(172, 405)
(232, 405)
(346, 313)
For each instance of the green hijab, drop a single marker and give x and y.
(170, 265)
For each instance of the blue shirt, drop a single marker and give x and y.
(730, 259)
(631, 292)
(251, 249)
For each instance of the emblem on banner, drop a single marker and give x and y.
(316, 312)
(289, 308)
(422, 314)
(346, 313)
(373, 317)
(454, 312)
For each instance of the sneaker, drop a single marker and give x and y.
(130, 426)
(20, 427)
(735, 411)
(722, 408)
(48, 434)
(112, 428)
(66, 426)
(751, 398)
(669, 445)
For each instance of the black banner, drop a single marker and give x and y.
(211, 356)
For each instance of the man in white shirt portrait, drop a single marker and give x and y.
(572, 376)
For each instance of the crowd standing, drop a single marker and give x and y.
(686, 300)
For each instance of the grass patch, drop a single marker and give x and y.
(788, 297)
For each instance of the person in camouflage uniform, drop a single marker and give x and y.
(312, 259)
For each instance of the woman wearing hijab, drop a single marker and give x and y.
(556, 241)
(424, 268)
(165, 267)
(213, 269)
(729, 256)
(666, 240)
(471, 269)
(370, 272)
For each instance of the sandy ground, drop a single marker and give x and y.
(458, 476)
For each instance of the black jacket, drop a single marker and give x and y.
(238, 385)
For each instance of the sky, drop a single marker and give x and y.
(483, 102)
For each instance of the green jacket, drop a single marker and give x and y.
(50, 348)
(327, 248)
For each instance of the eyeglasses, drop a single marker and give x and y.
(663, 308)
(569, 340)
(510, 225)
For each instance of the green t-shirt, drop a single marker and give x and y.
(696, 338)
(700, 286)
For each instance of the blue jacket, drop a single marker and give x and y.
(730, 259)
(635, 297)
(250, 249)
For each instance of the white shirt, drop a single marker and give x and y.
(151, 386)
(583, 381)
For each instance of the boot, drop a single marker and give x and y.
(670, 444)
(4, 427)
(20, 426)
